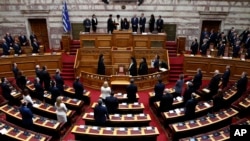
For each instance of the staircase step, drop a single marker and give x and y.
(67, 70)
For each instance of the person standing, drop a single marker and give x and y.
(131, 92)
(87, 25)
(194, 47)
(61, 110)
(142, 23)
(21, 80)
(46, 78)
(218, 101)
(6, 91)
(32, 37)
(166, 101)
(39, 90)
(55, 92)
(23, 39)
(159, 89)
(59, 81)
(6, 48)
(105, 90)
(159, 24)
(79, 89)
(242, 84)
(143, 68)
(17, 48)
(27, 98)
(27, 116)
(188, 92)
(125, 24)
(133, 67)
(39, 73)
(221, 49)
(225, 76)
(190, 108)
(101, 66)
(214, 84)
(152, 23)
(9, 39)
(178, 86)
(15, 70)
(117, 22)
(100, 114)
(197, 80)
(94, 23)
(111, 103)
(35, 46)
(110, 24)
(134, 23)
(156, 62)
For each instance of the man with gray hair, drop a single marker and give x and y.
(225, 77)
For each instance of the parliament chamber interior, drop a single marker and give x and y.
(124, 70)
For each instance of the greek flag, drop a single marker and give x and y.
(65, 18)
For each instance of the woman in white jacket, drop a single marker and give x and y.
(61, 110)
(105, 90)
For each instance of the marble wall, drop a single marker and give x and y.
(186, 14)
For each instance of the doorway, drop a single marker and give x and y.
(211, 25)
(39, 27)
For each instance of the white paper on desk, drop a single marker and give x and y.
(91, 113)
(35, 105)
(206, 90)
(149, 128)
(136, 103)
(129, 115)
(122, 129)
(177, 111)
(171, 111)
(45, 95)
(116, 115)
(119, 93)
(163, 69)
(13, 92)
(206, 104)
(95, 128)
(82, 126)
(124, 103)
(209, 56)
(28, 82)
(181, 109)
(136, 129)
(142, 115)
(3, 131)
(108, 128)
(125, 95)
(179, 98)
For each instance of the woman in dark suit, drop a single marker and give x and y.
(133, 67)
(143, 68)
(101, 66)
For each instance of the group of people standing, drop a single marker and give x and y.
(8, 43)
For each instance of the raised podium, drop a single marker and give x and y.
(119, 83)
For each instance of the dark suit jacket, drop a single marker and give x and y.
(204, 48)
(101, 68)
(21, 82)
(166, 102)
(32, 37)
(94, 23)
(242, 85)
(35, 47)
(214, 83)
(190, 108)
(225, 77)
(143, 69)
(159, 88)
(55, 92)
(218, 102)
(236, 50)
(39, 91)
(111, 103)
(187, 94)
(247, 43)
(6, 91)
(159, 24)
(142, 22)
(6, 49)
(156, 64)
(59, 82)
(133, 69)
(78, 89)
(46, 78)
(17, 48)
(197, 81)
(110, 25)
(100, 114)
(194, 48)
(27, 116)
(23, 40)
(9, 40)
(221, 50)
(151, 24)
(134, 22)
(131, 93)
(15, 72)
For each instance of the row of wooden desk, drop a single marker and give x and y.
(222, 134)
(117, 120)
(121, 97)
(41, 124)
(86, 132)
(202, 124)
(10, 131)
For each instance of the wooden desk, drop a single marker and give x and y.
(17, 133)
(73, 104)
(70, 91)
(196, 126)
(178, 114)
(48, 110)
(42, 124)
(222, 134)
(84, 132)
(117, 120)
(229, 94)
(121, 97)
(127, 108)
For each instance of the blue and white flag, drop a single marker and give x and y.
(65, 18)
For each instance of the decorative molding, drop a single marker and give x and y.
(35, 11)
(213, 13)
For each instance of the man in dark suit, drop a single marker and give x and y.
(214, 84)
(190, 108)
(15, 70)
(9, 39)
(194, 47)
(236, 49)
(242, 84)
(32, 37)
(35, 46)
(157, 62)
(221, 49)
(244, 35)
(143, 67)
(46, 78)
(247, 42)
(39, 73)
(188, 92)
(218, 101)
(134, 23)
(166, 101)
(142, 23)
(6, 91)
(17, 48)
(6, 48)
(27, 116)
(94, 23)
(204, 47)
(87, 25)
(39, 90)
(131, 92)
(225, 77)
(159, 89)
(159, 24)
(111, 103)
(55, 92)
(59, 81)
(101, 65)
(110, 24)
(23, 39)
(77, 85)
(21, 80)
(197, 80)
(100, 114)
